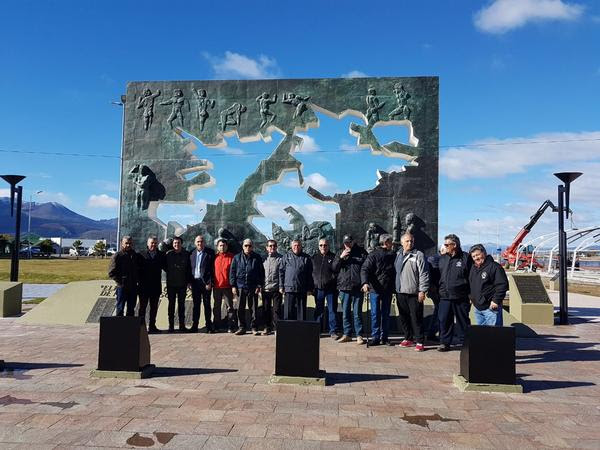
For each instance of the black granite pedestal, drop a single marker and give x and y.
(297, 353)
(124, 348)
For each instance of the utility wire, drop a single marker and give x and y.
(357, 149)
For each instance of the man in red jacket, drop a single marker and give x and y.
(222, 288)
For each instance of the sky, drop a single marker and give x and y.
(519, 97)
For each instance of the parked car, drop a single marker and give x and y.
(111, 251)
(77, 252)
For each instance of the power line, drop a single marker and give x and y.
(225, 153)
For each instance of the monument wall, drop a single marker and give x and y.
(159, 165)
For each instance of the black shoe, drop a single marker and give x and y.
(444, 348)
(193, 329)
(171, 329)
(374, 342)
(209, 331)
(183, 329)
(154, 330)
(387, 342)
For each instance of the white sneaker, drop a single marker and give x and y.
(360, 340)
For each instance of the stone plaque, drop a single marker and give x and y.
(104, 307)
(531, 289)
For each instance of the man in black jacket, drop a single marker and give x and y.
(177, 267)
(202, 260)
(377, 275)
(150, 285)
(124, 271)
(454, 293)
(325, 287)
(295, 281)
(347, 265)
(247, 276)
(488, 287)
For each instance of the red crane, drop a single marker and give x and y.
(509, 255)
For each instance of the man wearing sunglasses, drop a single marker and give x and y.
(247, 276)
(325, 287)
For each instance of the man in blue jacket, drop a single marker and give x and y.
(455, 266)
(489, 284)
(247, 276)
(295, 281)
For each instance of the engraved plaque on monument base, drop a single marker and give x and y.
(529, 301)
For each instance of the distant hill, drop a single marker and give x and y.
(55, 220)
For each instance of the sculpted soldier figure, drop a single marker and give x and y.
(123, 270)
(264, 102)
(178, 101)
(296, 100)
(152, 262)
(402, 97)
(373, 107)
(371, 238)
(203, 104)
(231, 115)
(147, 102)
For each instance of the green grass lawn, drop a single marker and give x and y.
(61, 270)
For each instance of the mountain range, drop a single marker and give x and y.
(55, 220)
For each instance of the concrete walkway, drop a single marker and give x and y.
(212, 391)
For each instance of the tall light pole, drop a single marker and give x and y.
(29, 221)
(122, 105)
(563, 208)
(17, 191)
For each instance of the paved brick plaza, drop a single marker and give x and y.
(212, 391)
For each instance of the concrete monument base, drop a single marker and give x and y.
(11, 297)
(302, 381)
(146, 372)
(464, 386)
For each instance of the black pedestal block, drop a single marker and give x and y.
(124, 344)
(1, 365)
(297, 349)
(488, 355)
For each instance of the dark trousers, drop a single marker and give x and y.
(271, 309)
(248, 297)
(146, 298)
(201, 295)
(224, 295)
(295, 306)
(448, 310)
(381, 303)
(322, 295)
(178, 293)
(126, 297)
(410, 310)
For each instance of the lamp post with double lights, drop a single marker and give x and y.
(17, 191)
(564, 191)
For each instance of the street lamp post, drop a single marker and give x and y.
(563, 208)
(29, 221)
(13, 180)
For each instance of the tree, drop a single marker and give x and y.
(46, 247)
(100, 248)
(77, 246)
(5, 243)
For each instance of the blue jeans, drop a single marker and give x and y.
(125, 297)
(380, 314)
(352, 302)
(332, 303)
(489, 317)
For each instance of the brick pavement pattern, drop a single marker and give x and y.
(212, 391)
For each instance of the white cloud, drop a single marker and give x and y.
(308, 144)
(102, 201)
(502, 16)
(236, 65)
(4, 192)
(58, 197)
(494, 158)
(351, 148)
(319, 182)
(355, 74)
(395, 168)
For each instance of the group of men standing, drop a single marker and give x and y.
(452, 280)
